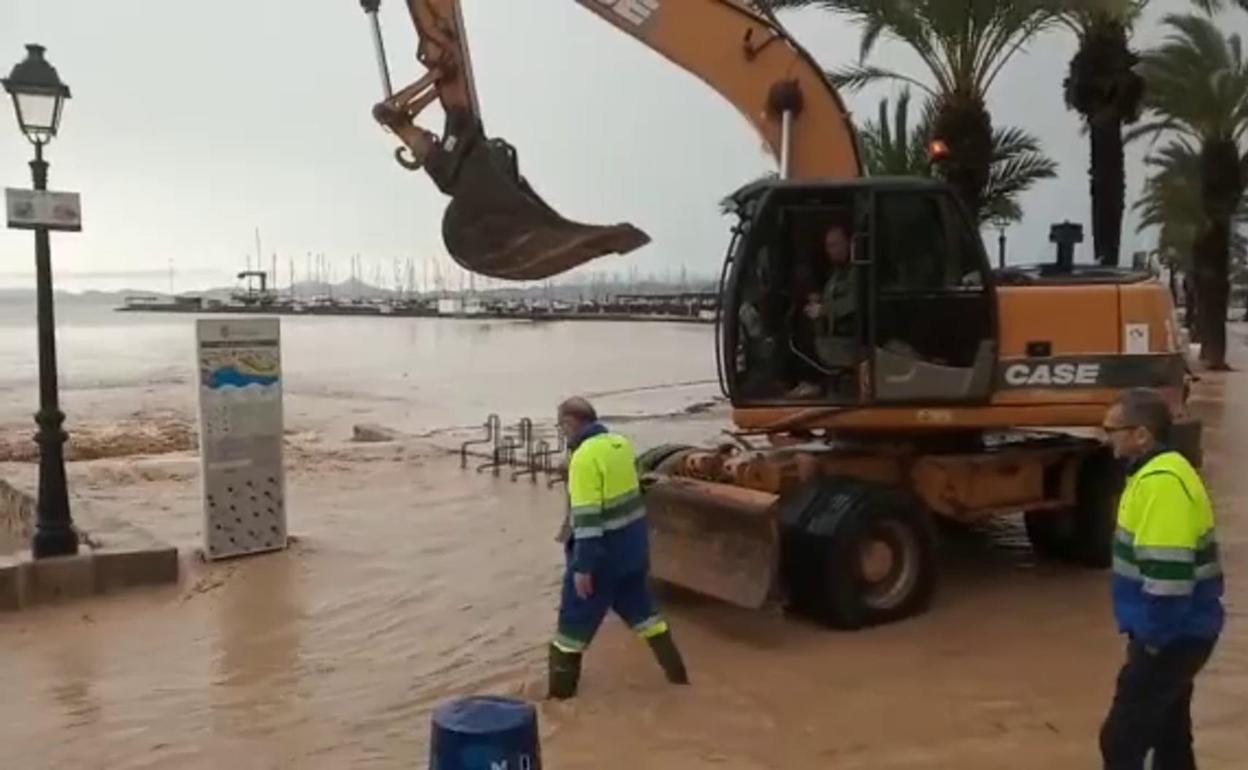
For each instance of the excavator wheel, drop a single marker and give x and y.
(1083, 535)
(856, 554)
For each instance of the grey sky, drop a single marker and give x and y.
(194, 123)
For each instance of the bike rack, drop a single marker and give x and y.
(520, 449)
(492, 430)
(525, 439)
(504, 454)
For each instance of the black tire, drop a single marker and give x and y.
(847, 531)
(1083, 535)
(653, 457)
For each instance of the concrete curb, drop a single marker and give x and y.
(111, 558)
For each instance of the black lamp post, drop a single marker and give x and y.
(38, 96)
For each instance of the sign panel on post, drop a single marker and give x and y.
(240, 436)
(32, 209)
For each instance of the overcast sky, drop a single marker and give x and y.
(194, 123)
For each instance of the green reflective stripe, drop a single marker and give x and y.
(651, 627)
(566, 643)
(1207, 554)
(586, 510)
(614, 524)
(1125, 552)
(622, 499)
(1206, 571)
(586, 533)
(1123, 536)
(587, 520)
(1168, 587)
(1167, 570)
(626, 506)
(1125, 568)
(1155, 553)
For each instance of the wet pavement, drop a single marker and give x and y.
(412, 582)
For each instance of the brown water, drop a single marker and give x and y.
(413, 582)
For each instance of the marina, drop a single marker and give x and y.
(668, 306)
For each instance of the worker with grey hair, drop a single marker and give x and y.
(608, 551)
(1167, 589)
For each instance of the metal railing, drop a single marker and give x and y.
(518, 448)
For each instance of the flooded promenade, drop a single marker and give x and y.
(413, 581)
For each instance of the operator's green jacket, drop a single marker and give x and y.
(1167, 581)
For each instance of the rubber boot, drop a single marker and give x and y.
(665, 652)
(565, 673)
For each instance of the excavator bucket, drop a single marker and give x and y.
(714, 539)
(497, 226)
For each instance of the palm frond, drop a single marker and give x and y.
(855, 77)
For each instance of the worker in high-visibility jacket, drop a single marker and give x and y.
(1167, 589)
(607, 549)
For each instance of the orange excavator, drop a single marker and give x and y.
(882, 375)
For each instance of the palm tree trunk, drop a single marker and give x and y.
(1108, 182)
(1222, 185)
(1213, 286)
(1191, 305)
(964, 125)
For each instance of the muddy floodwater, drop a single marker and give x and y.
(413, 581)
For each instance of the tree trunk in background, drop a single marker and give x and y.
(1108, 183)
(1221, 186)
(1213, 288)
(1103, 86)
(964, 125)
(1191, 307)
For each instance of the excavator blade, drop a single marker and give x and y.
(497, 226)
(714, 539)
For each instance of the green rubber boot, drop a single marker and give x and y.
(565, 673)
(664, 648)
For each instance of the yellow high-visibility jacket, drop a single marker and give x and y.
(1167, 581)
(607, 513)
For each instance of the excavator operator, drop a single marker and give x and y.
(833, 312)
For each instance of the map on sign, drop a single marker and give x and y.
(240, 429)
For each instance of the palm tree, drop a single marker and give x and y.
(1214, 6)
(964, 45)
(890, 147)
(1171, 202)
(1197, 90)
(893, 148)
(1103, 87)
(1016, 163)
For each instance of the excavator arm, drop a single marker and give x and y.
(497, 225)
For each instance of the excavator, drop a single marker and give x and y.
(955, 393)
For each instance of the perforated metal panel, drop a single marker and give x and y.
(240, 436)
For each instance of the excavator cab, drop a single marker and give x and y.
(859, 293)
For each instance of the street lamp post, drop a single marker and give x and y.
(38, 96)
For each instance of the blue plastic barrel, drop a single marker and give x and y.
(485, 733)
